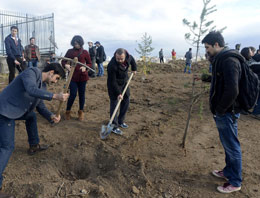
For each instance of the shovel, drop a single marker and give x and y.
(106, 130)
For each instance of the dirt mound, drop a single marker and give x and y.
(147, 161)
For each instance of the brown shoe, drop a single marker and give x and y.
(67, 115)
(4, 195)
(81, 115)
(37, 148)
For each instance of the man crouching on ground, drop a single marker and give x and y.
(17, 102)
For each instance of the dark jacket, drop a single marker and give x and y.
(117, 76)
(24, 94)
(83, 57)
(92, 52)
(100, 54)
(12, 50)
(255, 66)
(226, 74)
(256, 57)
(188, 57)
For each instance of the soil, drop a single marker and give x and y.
(147, 161)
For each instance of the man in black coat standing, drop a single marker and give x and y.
(117, 78)
(100, 58)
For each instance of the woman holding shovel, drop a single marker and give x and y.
(80, 75)
(116, 81)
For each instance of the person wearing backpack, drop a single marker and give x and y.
(226, 73)
(80, 75)
(100, 58)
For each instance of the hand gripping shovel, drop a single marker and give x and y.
(106, 130)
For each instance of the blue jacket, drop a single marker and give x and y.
(25, 93)
(11, 49)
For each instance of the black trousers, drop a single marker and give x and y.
(123, 109)
(161, 60)
(12, 66)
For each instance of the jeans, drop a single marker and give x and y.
(257, 107)
(227, 128)
(74, 87)
(187, 65)
(100, 69)
(161, 60)
(123, 109)
(32, 63)
(7, 131)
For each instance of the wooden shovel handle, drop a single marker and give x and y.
(66, 88)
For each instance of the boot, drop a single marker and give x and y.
(67, 115)
(81, 115)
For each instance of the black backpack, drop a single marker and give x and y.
(248, 85)
(104, 56)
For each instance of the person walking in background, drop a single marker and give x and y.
(161, 56)
(173, 54)
(225, 107)
(92, 52)
(188, 57)
(32, 53)
(14, 51)
(100, 58)
(117, 77)
(80, 75)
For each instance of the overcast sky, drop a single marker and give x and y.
(119, 23)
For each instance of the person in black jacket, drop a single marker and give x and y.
(92, 52)
(226, 72)
(100, 58)
(117, 78)
(14, 51)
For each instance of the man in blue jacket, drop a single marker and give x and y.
(17, 102)
(14, 51)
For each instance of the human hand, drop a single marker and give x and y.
(68, 67)
(55, 118)
(134, 72)
(83, 69)
(17, 62)
(61, 96)
(120, 97)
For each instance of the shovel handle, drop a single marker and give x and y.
(66, 88)
(120, 100)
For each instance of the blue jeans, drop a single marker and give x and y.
(32, 63)
(257, 107)
(7, 131)
(187, 65)
(227, 128)
(123, 109)
(74, 88)
(100, 69)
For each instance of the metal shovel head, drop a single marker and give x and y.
(106, 130)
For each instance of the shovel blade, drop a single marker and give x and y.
(106, 130)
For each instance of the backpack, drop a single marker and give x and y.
(104, 56)
(248, 85)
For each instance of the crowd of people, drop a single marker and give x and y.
(27, 92)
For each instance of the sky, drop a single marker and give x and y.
(120, 23)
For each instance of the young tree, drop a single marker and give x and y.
(145, 48)
(205, 26)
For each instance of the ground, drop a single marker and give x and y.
(147, 161)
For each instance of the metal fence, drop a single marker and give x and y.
(40, 27)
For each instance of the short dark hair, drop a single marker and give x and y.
(14, 27)
(120, 51)
(190, 49)
(56, 67)
(252, 49)
(77, 39)
(214, 37)
(245, 53)
(32, 38)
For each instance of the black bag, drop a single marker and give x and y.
(248, 85)
(104, 56)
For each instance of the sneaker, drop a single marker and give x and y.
(219, 174)
(117, 131)
(228, 188)
(124, 125)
